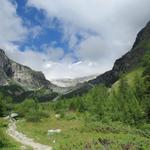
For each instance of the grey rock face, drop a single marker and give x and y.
(128, 61)
(12, 71)
(5, 67)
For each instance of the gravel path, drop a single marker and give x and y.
(23, 139)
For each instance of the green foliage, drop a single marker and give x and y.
(102, 104)
(127, 108)
(114, 118)
(25, 107)
(6, 105)
(78, 135)
(3, 140)
(31, 110)
(146, 75)
(33, 116)
(14, 91)
(2, 108)
(139, 88)
(126, 103)
(146, 59)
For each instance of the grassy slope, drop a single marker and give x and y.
(130, 76)
(77, 134)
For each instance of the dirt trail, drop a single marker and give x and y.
(23, 139)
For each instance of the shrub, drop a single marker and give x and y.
(33, 116)
(31, 110)
(3, 140)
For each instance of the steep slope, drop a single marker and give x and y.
(21, 82)
(126, 63)
(11, 71)
(129, 61)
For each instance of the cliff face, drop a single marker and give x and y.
(128, 61)
(11, 71)
(124, 64)
(5, 66)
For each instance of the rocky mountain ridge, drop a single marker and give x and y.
(122, 65)
(11, 71)
(128, 61)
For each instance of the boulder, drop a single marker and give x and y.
(14, 115)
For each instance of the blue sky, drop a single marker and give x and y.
(70, 38)
(50, 32)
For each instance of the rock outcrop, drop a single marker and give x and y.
(11, 71)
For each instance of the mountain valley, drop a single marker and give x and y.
(110, 111)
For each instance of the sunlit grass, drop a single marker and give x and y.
(77, 134)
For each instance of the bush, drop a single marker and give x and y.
(3, 123)
(31, 110)
(70, 116)
(33, 116)
(2, 108)
(6, 105)
(26, 107)
(3, 140)
(125, 106)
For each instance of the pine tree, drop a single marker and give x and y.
(129, 105)
(146, 75)
(2, 105)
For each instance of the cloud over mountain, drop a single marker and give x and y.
(96, 32)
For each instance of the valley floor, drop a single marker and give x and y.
(80, 135)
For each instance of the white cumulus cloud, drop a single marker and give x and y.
(11, 28)
(108, 29)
